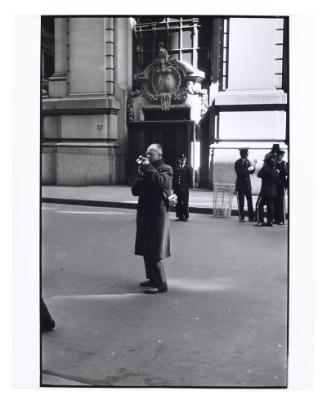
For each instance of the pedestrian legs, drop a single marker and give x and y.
(269, 202)
(182, 206)
(155, 272)
(240, 200)
(248, 196)
(260, 207)
(179, 205)
(270, 210)
(185, 201)
(279, 206)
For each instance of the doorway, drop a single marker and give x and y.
(174, 137)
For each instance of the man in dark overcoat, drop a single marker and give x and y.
(153, 187)
(281, 184)
(243, 169)
(269, 175)
(182, 183)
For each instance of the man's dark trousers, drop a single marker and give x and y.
(240, 196)
(155, 272)
(182, 209)
(269, 202)
(279, 205)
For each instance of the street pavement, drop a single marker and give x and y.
(223, 322)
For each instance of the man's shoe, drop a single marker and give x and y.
(154, 290)
(178, 219)
(146, 283)
(269, 224)
(186, 220)
(259, 224)
(242, 220)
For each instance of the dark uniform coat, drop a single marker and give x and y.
(243, 182)
(269, 178)
(152, 232)
(183, 177)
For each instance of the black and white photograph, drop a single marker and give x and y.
(164, 201)
(162, 211)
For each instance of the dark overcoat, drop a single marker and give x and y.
(243, 181)
(269, 178)
(152, 220)
(183, 177)
(283, 174)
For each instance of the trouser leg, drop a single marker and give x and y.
(185, 203)
(270, 209)
(279, 206)
(156, 266)
(256, 217)
(250, 206)
(179, 209)
(240, 199)
(260, 206)
(148, 269)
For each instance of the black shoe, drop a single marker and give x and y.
(281, 224)
(242, 220)
(186, 220)
(178, 219)
(154, 290)
(146, 283)
(259, 224)
(269, 224)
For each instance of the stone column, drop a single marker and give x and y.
(215, 49)
(57, 82)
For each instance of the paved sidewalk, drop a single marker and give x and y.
(201, 200)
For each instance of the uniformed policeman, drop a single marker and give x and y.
(244, 168)
(182, 182)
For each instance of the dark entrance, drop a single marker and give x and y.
(174, 136)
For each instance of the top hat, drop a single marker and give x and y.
(181, 156)
(275, 146)
(243, 149)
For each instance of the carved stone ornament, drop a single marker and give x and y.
(129, 105)
(165, 85)
(166, 81)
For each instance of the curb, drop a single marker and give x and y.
(122, 205)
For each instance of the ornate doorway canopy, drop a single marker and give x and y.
(166, 83)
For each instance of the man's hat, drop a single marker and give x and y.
(275, 146)
(243, 149)
(181, 156)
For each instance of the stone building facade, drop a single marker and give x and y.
(202, 86)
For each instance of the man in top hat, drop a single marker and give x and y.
(273, 152)
(244, 168)
(182, 182)
(281, 184)
(269, 175)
